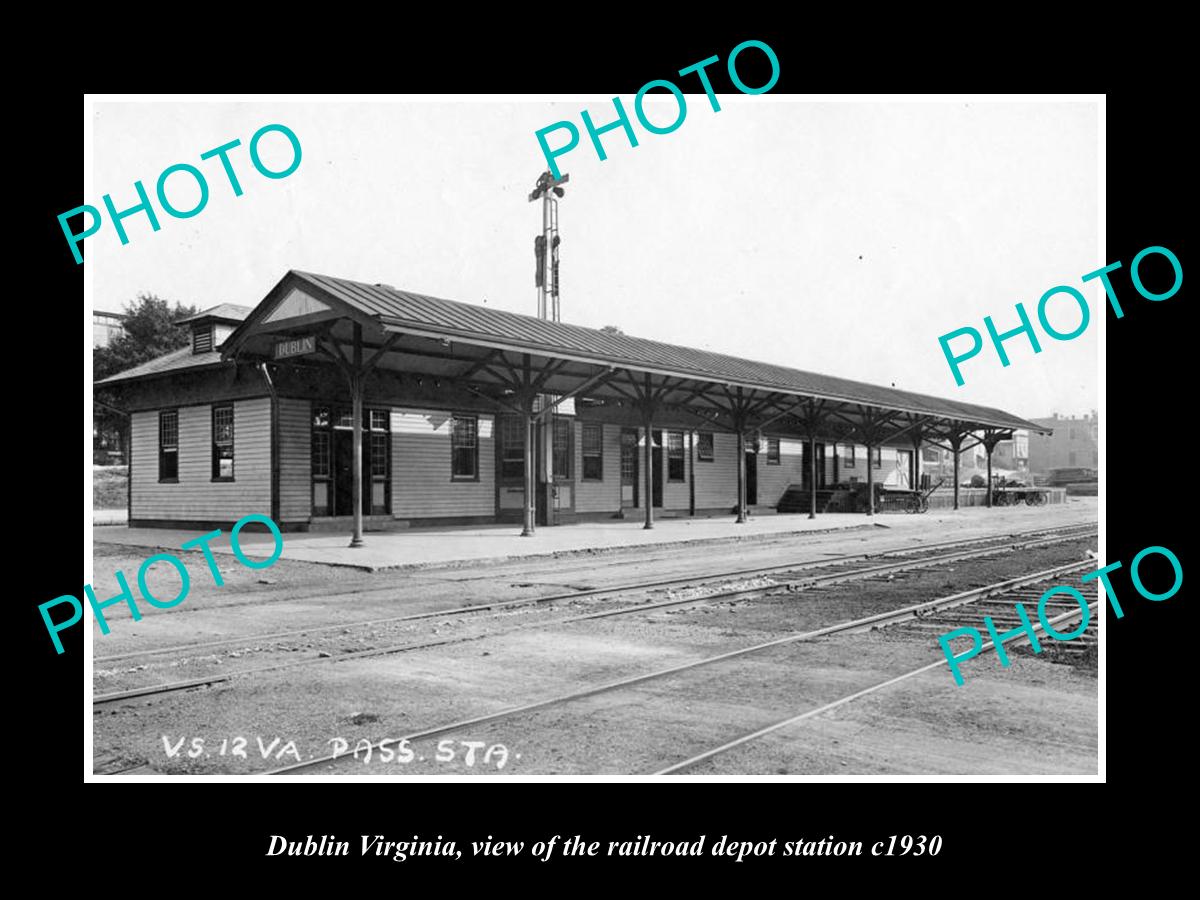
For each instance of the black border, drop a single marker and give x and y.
(989, 830)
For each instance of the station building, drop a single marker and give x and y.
(463, 414)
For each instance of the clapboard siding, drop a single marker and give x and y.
(605, 495)
(295, 460)
(421, 484)
(716, 481)
(773, 480)
(196, 496)
(885, 473)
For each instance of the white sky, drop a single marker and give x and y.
(741, 232)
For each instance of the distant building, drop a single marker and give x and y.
(106, 327)
(1075, 442)
(1013, 455)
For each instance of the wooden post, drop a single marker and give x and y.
(530, 482)
(648, 416)
(356, 406)
(741, 472)
(275, 456)
(870, 481)
(529, 528)
(955, 444)
(988, 446)
(691, 473)
(916, 463)
(648, 459)
(812, 475)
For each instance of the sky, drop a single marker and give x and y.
(834, 237)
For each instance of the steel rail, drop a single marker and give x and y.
(784, 723)
(723, 596)
(1082, 530)
(915, 610)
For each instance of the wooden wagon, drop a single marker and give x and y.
(1015, 494)
(904, 499)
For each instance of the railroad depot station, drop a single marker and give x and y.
(336, 405)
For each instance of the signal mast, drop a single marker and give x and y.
(539, 435)
(545, 277)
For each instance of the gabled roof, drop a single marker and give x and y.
(222, 312)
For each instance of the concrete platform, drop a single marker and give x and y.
(417, 548)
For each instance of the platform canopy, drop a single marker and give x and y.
(506, 357)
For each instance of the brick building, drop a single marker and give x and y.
(1074, 442)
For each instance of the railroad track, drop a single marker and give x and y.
(1082, 644)
(921, 612)
(1027, 539)
(842, 569)
(852, 567)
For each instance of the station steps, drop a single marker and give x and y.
(795, 500)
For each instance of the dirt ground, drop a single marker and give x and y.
(1034, 717)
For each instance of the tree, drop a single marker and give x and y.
(151, 328)
(612, 329)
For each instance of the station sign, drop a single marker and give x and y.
(296, 346)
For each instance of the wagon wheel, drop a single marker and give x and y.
(923, 505)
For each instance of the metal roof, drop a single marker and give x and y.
(175, 361)
(228, 312)
(394, 310)
(404, 311)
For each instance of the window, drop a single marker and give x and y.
(322, 483)
(848, 456)
(629, 463)
(878, 457)
(564, 430)
(593, 451)
(675, 468)
(931, 454)
(704, 446)
(202, 339)
(320, 454)
(379, 447)
(772, 451)
(168, 445)
(1095, 456)
(1070, 434)
(512, 449)
(464, 448)
(379, 454)
(1071, 458)
(222, 443)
